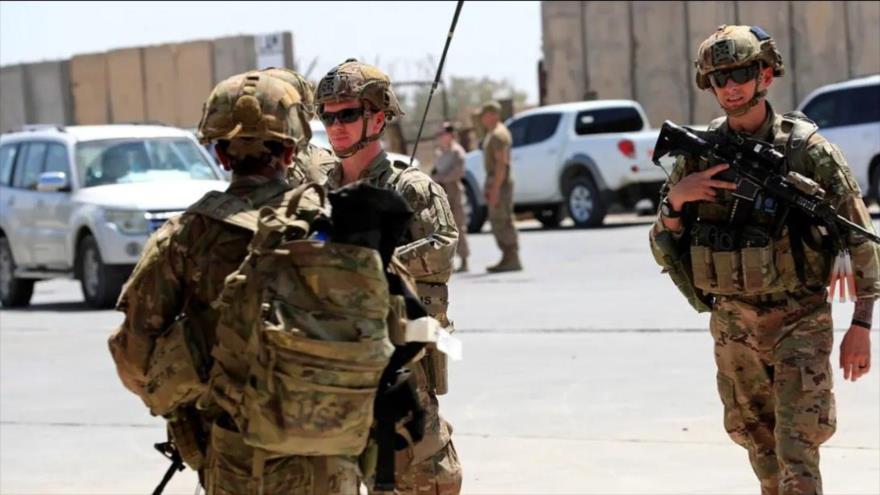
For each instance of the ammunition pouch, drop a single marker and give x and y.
(435, 299)
(185, 429)
(679, 270)
(747, 262)
(178, 368)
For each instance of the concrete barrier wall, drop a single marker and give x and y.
(88, 85)
(661, 79)
(820, 55)
(563, 51)
(126, 84)
(645, 50)
(46, 92)
(609, 49)
(13, 110)
(232, 56)
(195, 80)
(160, 84)
(863, 19)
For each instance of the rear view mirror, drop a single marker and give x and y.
(53, 182)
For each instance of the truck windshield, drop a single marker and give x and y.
(117, 161)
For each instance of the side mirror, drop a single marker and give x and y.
(53, 182)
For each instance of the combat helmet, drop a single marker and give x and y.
(359, 81)
(248, 110)
(306, 109)
(737, 46)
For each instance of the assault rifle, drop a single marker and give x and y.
(755, 168)
(170, 451)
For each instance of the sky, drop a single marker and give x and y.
(500, 40)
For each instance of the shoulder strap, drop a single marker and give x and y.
(226, 208)
(795, 131)
(398, 170)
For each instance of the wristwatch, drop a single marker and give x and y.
(667, 210)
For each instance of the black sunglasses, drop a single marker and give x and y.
(344, 116)
(740, 75)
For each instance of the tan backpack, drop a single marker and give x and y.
(302, 340)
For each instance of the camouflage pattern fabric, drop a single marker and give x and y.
(427, 254)
(774, 379)
(501, 215)
(230, 471)
(772, 348)
(311, 165)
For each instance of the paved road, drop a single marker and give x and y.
(585, 373)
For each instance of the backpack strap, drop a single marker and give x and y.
(795, 132)
(226, 208)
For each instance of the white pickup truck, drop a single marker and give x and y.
(848, 115)
(573, 159)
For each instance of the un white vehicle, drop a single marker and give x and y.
(80, 202)
(848, 114)
(574, 159)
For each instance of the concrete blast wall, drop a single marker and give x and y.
(645, 50)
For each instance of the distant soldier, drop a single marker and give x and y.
(355, 103)
(763, 274)
(449, 172)
(498, 189)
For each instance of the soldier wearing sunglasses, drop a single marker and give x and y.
(766, 288)
(355, 101)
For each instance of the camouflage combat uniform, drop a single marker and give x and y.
(433, 466)
(770, 320)
(181, 272)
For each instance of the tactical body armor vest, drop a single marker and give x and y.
(743, 248)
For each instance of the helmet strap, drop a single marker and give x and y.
(364, 140)
(756, 98)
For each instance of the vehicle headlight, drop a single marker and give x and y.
(128, 221)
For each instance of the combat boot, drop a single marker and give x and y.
(463, 267)
(509, 262)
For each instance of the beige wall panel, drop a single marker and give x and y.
(13, 112)
(126, 81)
(195, 75)
(661, 79)
(232, 56)
(703, 19)
(820, 46)
(563, 55)
(608, 49)
(864, 34)
(773, 17)
(88, 85)
(160, 84)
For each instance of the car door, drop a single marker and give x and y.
(534, 157)
(843, 117)
(52, 216)
(22, 201)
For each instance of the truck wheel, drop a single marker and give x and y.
(100, 283)
(550, 217)
(474, 214)
(14, 292)
(584, 203)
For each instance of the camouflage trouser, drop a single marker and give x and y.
(774, 378)
(232, 470)
(455, 195)
(501, 217)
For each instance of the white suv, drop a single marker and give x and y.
(81, 201)
(848, 114)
